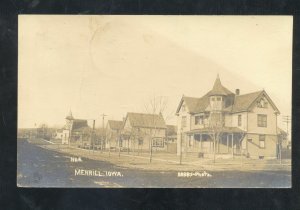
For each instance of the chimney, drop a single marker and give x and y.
(237, 92)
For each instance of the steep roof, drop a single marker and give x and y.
(115, 124)
(194, 105)
(83, 129)
(78, 123)
(243, 102)
(219, 89)
(146, 120)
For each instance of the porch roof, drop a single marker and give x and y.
(208, 130)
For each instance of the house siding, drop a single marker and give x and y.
(133, 144)
(182, 113)
(271, 121)
(234, 120)
(255, 151)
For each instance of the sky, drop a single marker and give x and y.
(116, 64)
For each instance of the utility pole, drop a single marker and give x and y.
(93, 136)
(180, 148)
(103, 116)
(119, 138)
(286, 119)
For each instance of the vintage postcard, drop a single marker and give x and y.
(154, 101)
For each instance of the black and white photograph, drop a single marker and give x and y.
(154, 101)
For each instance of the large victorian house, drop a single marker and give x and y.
(223, 122)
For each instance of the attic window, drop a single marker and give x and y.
(262, 103)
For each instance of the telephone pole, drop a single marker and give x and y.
(103, 116)
(286, 119)
(93, 136)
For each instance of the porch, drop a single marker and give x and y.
(229, 143)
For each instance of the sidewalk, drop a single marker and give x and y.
(170, 162)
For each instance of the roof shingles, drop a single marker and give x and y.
(146, 120)
(239, 104)
(115, 124)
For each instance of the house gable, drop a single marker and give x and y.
(263, 95)
(181, 103)
(193, 105)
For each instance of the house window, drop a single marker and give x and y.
(158, 142)
(262, 141)
(199, 120)
(239, 120)
(249, 140)
(262, 120)
(218, 98)
(120, 142)
(213, 98)
(141, 142)
(183, 121)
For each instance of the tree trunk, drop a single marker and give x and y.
(214, 146)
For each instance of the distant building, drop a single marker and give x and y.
(76, 131)
(144, 131)
(246, 124)
(59, 134)
(282, 136)
(113, 133)
(171, 134)
(171, 138)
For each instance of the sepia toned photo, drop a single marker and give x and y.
(110, 101)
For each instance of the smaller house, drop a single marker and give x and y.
(113, 133)
(144, 132)
(171, 138)
(59, 134)
(171, 134)
(282, 137)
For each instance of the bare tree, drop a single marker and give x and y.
(216, 124)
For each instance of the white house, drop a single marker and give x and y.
(224, 122)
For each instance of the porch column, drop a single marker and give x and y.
(247, 143)
(232, 145)
(200, 142)
(227, 138)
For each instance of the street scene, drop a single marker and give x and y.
(39, 167)
(120, 102)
